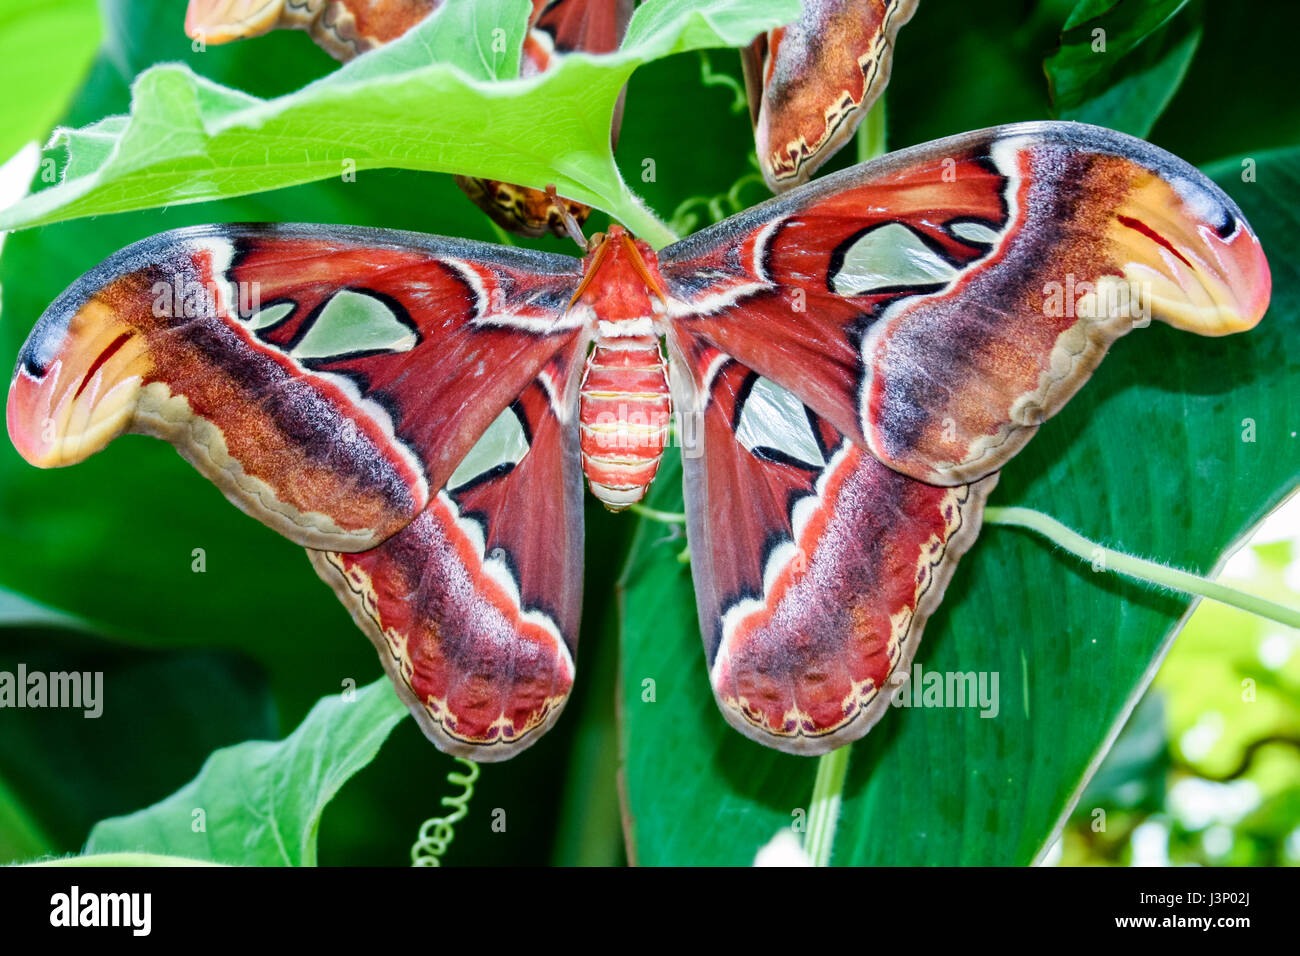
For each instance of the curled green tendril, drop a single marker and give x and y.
(741, 101)
(654, 514)
(437, 833)
(683, 221)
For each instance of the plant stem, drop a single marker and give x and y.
(824, 811)
(640, 221)
(1149, 571)
(871, 134)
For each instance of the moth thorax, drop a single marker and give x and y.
(624, 412)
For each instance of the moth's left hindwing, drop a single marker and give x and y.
(474, 606)
(815, 566)
(399, 395)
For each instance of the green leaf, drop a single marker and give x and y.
(1119, 63)
(123, 859)
(1145, 82)
(483, 39)
(1148, 458)
(145, 721)
(189, 139)
(1225, 104)
(929, 94)
(17, 610)
(45, 49)
(262, 802)
(1134, 773)
(21, 836)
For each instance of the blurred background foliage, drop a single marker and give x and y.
(1207, 770)
(1199, 774)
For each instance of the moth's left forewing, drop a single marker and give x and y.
(815, 566)
(937, 305)
(404, 404)
(327, 379)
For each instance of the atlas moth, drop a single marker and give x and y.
(840, 453)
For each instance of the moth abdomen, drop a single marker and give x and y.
(624, 412)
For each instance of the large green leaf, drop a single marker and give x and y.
(1149, 458)
(189, 139)
(1129, 87)
(1247, 46)
(17, 610)
(55, 41)
(1225, 709)
(21, 835)
(260, 803)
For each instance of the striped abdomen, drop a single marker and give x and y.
(624, 412)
